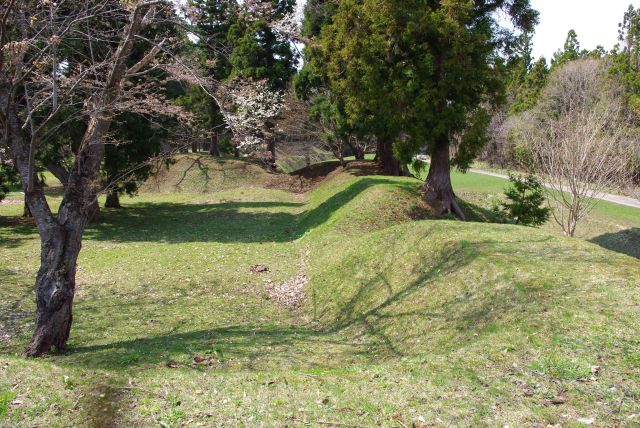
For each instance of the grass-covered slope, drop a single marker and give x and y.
(405, 321)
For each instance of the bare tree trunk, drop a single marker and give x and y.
(384, 156)
(113, 200)
(26, 212)
(214, 150)
(93, 211)
(194, 147)
(271, 153)
(271, 147)
(61, 234)
(55, 287)
(438, 190)
(60, 239)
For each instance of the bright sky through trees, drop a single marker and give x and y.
(595, 21)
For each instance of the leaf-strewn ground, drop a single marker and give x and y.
(405, 321)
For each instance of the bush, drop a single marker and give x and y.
(525, 197)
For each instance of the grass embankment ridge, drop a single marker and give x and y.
(406, 321)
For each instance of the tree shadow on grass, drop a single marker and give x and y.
(358, 332)
(625, 242)
(246, 346)
(480, 311)
(372, 320)
(263, 346)
(15, 230)
(222, 222)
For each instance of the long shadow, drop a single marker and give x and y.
(449, 259)
(625, 242)
(15, 230)
(248, 346)
(260, 346)
(463, 313)
(222, 222)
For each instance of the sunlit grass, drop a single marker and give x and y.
(406, 321)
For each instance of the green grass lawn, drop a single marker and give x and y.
(613, 226)
(405, 322)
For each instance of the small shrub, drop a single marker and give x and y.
(525, 197)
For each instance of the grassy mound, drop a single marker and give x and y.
(406, 320)
(203, 174)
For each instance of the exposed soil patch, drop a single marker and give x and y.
(289, 294)
(259, 269)
(307, 178)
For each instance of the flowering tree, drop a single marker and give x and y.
(250, 109)
(7, 173)
(65, 62)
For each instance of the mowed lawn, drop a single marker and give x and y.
(613, 226)
(405, 320)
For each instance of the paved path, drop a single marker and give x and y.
(616, 199)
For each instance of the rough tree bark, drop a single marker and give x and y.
(61, 235)
(358, 152)
(26, 212)
(63, 177)
(214, 149)
(113, 200)
(384, 156)
(438, 190)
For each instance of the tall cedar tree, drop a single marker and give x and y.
(311, 85)
(528, 93)
(418, 73)
(212, 20)
(257, 52)
(626, 66)
(569, 52)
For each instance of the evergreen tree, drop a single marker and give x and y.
(528, 93)
(519, 65)
(317, 14)
(256, 50)
(570, 52)
(626, 67)
(212, 21)
(525, 201)
(417, 73)
(311, 84)
(626, 57)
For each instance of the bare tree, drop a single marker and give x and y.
(49, 62)
(580, 139)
